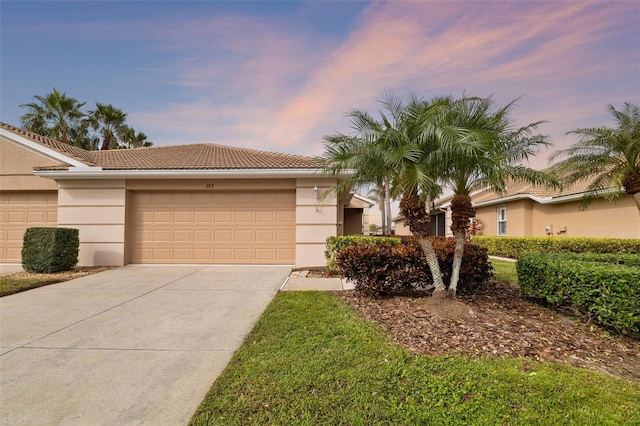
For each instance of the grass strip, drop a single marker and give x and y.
(311, 360)
(503, 270)
(11, 286)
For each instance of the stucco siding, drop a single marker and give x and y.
(97, 209)
(315, 220)
(600, 220)
(16, 168)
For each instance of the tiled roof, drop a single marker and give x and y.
(199, 156)
(76, 153)
(179, 157)
(521, 188)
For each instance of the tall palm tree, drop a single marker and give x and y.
(488, 153)
(55, 116)
(362, 157)
(610, 157)
(109, 122)
(398, 153)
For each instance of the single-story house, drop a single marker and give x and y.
(529, 211)
(201, 203)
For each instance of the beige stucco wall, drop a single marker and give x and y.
(16, 168)
(315, 221)
(600, 220)
(97, 209)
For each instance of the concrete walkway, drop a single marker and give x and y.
(134, 345)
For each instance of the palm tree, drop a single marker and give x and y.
(55, 116)
(360, 156)
(397, 153)
(610, 157)
(109, 122)
(487, 154)
(129, 138)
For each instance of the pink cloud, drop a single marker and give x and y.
(267, 87)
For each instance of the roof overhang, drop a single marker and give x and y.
(541, 200)
(99, 173)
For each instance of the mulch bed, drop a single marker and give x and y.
(506, 326)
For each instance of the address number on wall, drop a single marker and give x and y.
(208, 186)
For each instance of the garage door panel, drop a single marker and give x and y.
(209, 227)
(22, 210)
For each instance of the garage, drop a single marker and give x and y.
(241, 227)
(21, 210)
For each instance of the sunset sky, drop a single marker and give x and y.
(279, 76)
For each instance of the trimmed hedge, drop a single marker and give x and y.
(48, 250)
(336, 244)
(386, 266)
(515, 246)
(603, 288)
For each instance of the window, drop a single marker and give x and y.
(502, 221)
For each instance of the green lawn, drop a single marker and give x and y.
(504, 270)
(311, 360)
(12, 285)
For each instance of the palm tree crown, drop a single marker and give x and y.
(609, 157)
(55, 116)
(109, 122)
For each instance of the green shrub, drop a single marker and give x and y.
(385, 266)
(47, 250)
(603, 288)
(336, 244)
(515, 246)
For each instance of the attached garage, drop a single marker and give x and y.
(188, 204)
(19, 211)
(213, 227)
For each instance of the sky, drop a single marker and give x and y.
(279, 76)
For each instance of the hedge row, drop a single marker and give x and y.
(387, 266)
(336, 244)
(603, 288)
(515, 246)
(48, 250)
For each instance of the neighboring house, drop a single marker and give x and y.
(439, 218)
(525, 210)
(356, 214)
(201, 203)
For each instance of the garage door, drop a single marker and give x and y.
(213, 227)
(19, 211)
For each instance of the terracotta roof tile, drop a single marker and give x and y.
(199, 156)
(196, 156)
(63, 148)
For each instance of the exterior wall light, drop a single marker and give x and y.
(316, 192)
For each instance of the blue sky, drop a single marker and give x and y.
(280, 75)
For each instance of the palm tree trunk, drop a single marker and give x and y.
(434, 266)
(458, 254)
(461, 211)
(383, 210)
(387, 207)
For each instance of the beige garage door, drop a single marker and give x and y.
(213, 227)
(19, 211)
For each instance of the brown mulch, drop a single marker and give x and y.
(501, 325)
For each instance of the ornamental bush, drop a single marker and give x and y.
(515, 246)
(48, 250)
(604, 289)
(387, 266)
(336, 244)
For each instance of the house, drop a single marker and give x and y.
(526, 210)
(439, 218)
(201, 203)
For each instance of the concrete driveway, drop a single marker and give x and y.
(134, 345)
